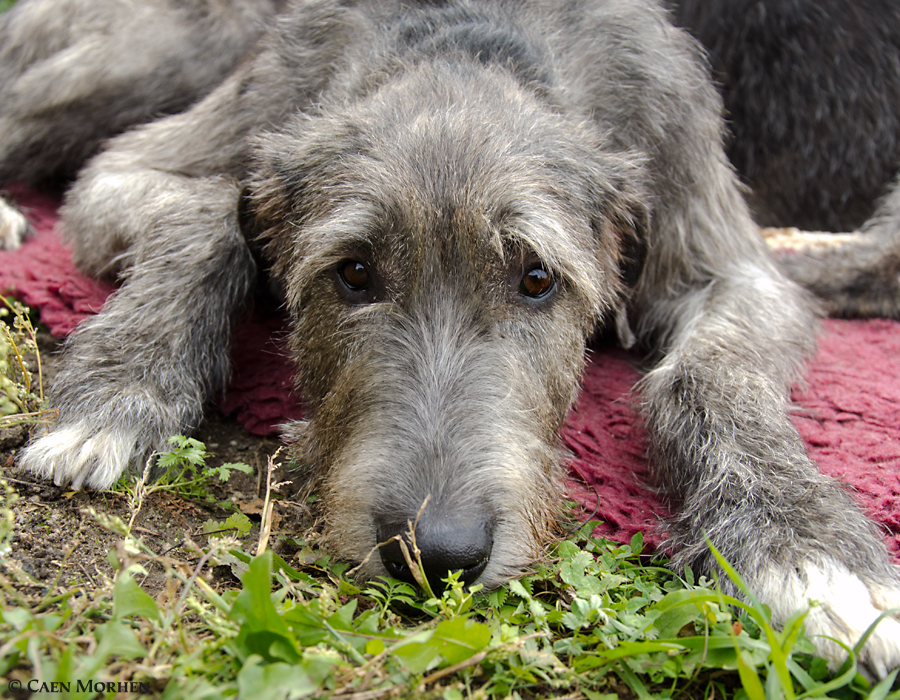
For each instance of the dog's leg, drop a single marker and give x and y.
(76, 72)
(732, 335)
(726, 450)
(142, 369)
(160, 209)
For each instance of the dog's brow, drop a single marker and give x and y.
(322, 243)
(562, 242)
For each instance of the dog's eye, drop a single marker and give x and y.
(354, 275)
(537, 283)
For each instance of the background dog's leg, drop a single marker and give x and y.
(855, 274)
(726, 450)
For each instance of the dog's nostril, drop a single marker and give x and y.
(447, 544)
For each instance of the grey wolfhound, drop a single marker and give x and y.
(453, 197)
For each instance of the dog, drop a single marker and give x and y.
(454, 197)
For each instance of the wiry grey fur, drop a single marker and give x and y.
(450, 147)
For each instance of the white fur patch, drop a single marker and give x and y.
(842, 607)
(13, 226)
(80, 456)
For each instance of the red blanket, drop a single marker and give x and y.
(849, 413)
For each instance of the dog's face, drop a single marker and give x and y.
(445, 252)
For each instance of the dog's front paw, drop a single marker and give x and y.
(13, 226)
(80, 455)
(841, 607)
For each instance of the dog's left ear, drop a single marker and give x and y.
(616, 190)
(622, 223)
(249, 221)
(632, 256)
(631, 229)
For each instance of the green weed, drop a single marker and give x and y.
(21, 388)
(182, 471)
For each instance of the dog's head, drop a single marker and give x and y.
(447, 244)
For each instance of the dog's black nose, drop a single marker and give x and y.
(456, 543)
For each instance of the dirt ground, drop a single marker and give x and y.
(59, 543)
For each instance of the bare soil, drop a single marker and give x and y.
(60, 544)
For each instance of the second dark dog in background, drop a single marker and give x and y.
(811, 90)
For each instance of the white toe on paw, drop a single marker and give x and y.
(80, 456)
(842, 606)
(13, 226)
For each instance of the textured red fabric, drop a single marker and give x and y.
(41, 272)
(848, 413)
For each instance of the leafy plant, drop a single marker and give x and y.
(183, 472)
(8, 498)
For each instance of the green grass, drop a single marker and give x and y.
(592, 621)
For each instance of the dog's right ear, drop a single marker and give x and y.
(262, 212)
(252, 228)
(268, 201)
